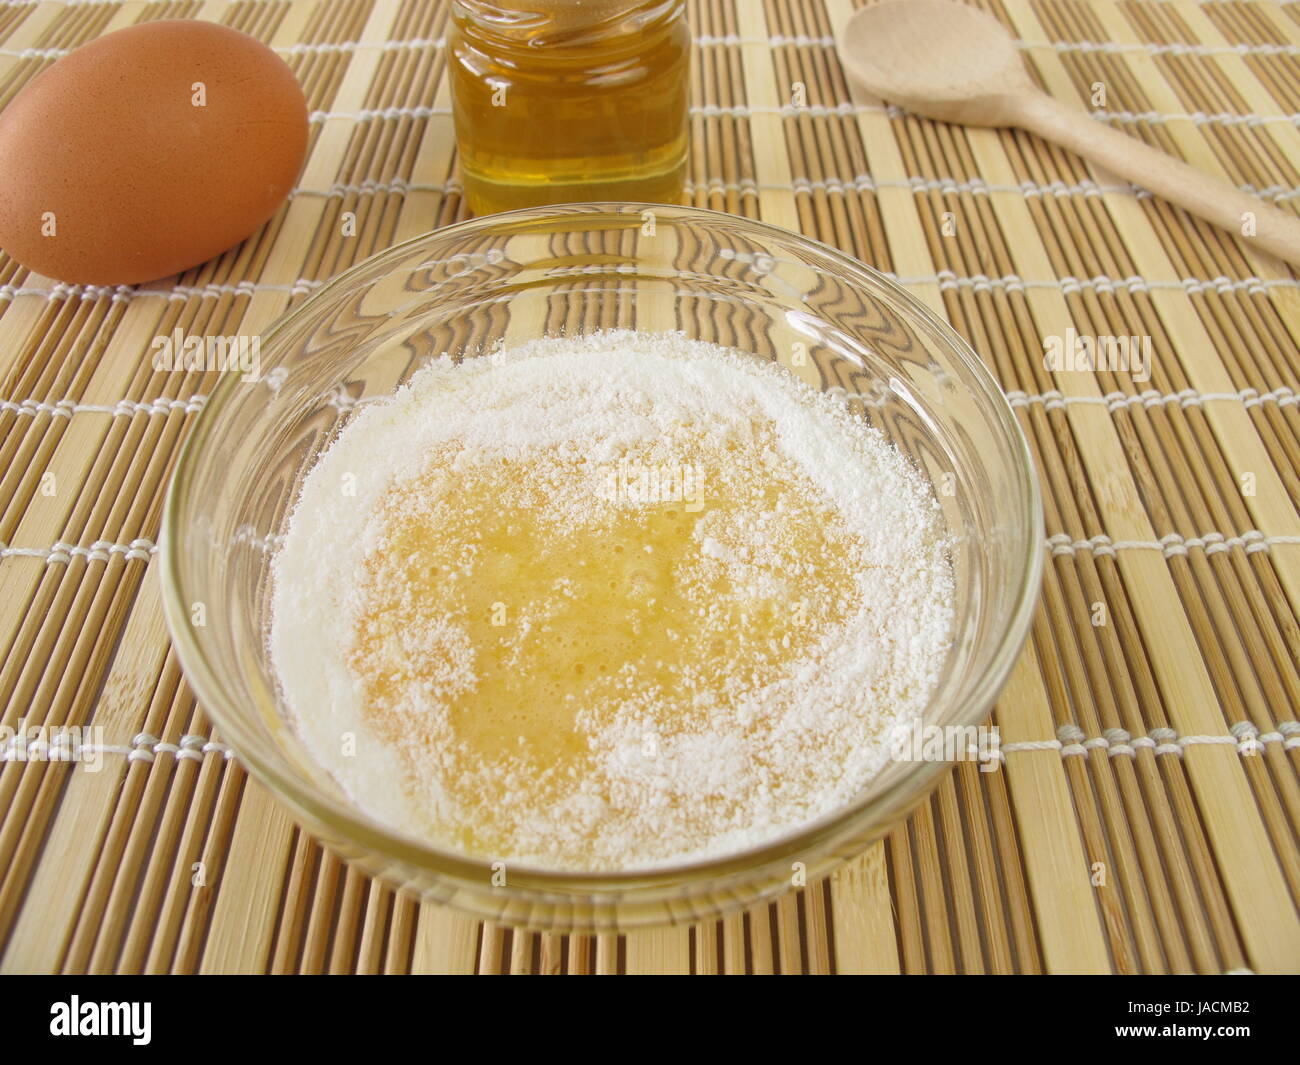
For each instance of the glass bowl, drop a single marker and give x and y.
(576, 269)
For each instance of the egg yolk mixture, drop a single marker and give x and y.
(607, 603)
(538, 630)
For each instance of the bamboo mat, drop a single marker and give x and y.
(1146, 814)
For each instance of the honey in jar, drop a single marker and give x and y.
(562, 101)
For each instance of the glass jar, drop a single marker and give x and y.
(560, 101)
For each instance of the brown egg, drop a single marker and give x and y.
(148, 151)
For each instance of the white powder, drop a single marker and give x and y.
(743, 731)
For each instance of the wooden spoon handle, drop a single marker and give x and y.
(1200, 193)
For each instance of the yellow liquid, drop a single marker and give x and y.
(561, 103)
(572, 625)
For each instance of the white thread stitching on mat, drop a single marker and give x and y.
(400, 45)
(143, 748)
(1197, 118)
(979, 187)
(801, 186)
(100, 551)
(124, 408)
(300, 287)
(1111, 48)
(1052, 399)
(732, 40)
(945, 279)
(1245, 737)
(302, 48)
(843, 110)
(124, 293)
(1188, 397)
(1058, 544)
(804, 186)
(1170, 544)
(705, 40)
(1071, 741)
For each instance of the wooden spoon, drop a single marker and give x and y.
(948, 61)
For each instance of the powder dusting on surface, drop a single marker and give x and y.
(608, 602)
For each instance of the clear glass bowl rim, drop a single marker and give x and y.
(880, 810)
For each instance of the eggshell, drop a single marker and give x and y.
(147, 151)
